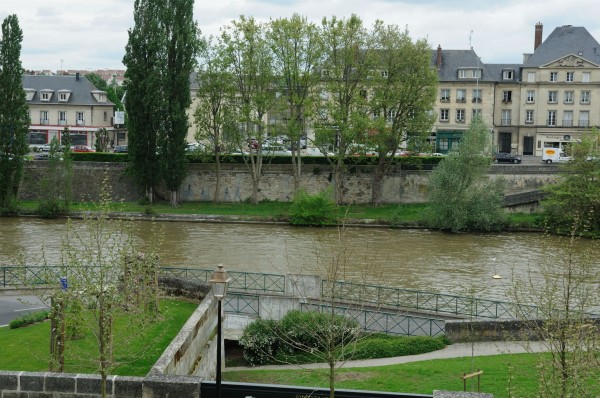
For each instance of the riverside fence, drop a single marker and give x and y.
(265, 283)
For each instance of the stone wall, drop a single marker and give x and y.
(400, 186)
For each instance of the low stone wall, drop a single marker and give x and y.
(399, 186)
(464, 331)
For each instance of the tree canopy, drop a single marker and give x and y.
(14, 118)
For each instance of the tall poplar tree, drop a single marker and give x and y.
(145, 102)
(14, 120)
(160, 56)
(181, 48)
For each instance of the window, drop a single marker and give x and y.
(80, 119)
(531, 77)
(529, 116)
(462, 73)
(507, 75)
(443, 144)
(461, 95)
(62, 97)
(476, 113)
(585, 97)
(585, 77)
(460, 115)
(46, 96)
(507, 96)
(570, 76)
(444, 115)
(43, 117)
(477, 73)
(105, 116)
(568, 97)
(477, 95)
(506, 116)
(584, 118)
(62, 118)
(445, 95)
(552, 97)
(384, 73)
(553, 76)
(391, 115)
(530, 96)
(551, 118)
(375, 115)
(567, 119)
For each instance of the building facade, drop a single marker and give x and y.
(59, 102)
(549, 100)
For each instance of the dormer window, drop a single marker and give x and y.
(46, 95)
(100, 96)
(29, 93)
(63, 95)
(508, 74)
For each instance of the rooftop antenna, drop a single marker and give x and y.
(470, 37)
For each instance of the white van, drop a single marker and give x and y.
(550, 155)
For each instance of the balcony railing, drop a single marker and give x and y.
(44, 121)
(567, 123)
(506, 121)
(80, 122)
(62, 122)
(584, 123)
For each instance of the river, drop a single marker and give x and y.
(408, 258)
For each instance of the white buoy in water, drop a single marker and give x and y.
(495, 276)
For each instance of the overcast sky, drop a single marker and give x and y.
(92, 34)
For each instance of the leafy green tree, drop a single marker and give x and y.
(342, 110)
(14, 120)
(251, 64)
(402, 92)
(181, 47)
(461, 196)
(160, 56)
(297, 51)
(145, 101)
(215, 92)
(114, 92)
(102, 140)
(55, 185)
(576, 195)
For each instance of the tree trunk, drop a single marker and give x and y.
(377, 183)
(174, 199)
(218, 176)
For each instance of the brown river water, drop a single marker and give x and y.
(407, 258)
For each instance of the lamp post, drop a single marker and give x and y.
(220, 281)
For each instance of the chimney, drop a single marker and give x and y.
(538, 35)
(439, 57)
(77, 76)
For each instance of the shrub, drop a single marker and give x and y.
(313, 330)
(50, 208)
(28, 319)
(383, 346)
(260, 342)
(313, 210)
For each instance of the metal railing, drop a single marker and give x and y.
(425, 301)
(384, 321)
(245, 304)
(240, 281)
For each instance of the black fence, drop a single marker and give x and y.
(247, 390)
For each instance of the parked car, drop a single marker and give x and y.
(120, 149)
(44, 148)
(82, 148)
(505, 157)
(41, 156)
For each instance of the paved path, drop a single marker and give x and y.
(451, 351)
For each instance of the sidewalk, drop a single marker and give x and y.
(451, 351)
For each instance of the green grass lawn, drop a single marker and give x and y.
(410, 213)
(516, 372)
(27, 348)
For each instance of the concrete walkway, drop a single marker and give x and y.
(451, 351)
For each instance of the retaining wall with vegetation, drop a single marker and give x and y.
(277, 184)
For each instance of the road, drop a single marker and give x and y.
(12, 307)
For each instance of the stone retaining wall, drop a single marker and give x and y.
(400, 186)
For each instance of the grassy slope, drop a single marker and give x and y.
(27, 348)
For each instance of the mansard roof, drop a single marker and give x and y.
(564, 41)
(453, 60)
(81, 89)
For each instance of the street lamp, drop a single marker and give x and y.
(220, 281)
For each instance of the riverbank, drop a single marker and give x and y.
(276, 213)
